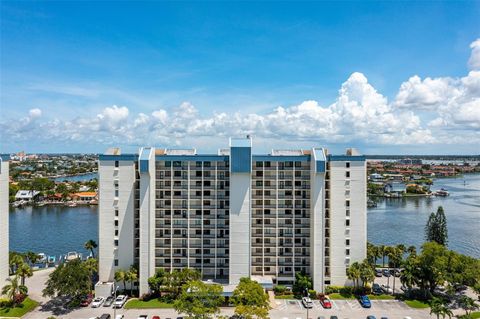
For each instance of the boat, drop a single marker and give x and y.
(42, 258)
(51, 260)
(72, 204)
(442, 192)
(72, 255)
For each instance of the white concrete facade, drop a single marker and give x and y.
(4, 173)
(233, 214)
(116, 217)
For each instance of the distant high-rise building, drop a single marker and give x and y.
(4, 159)
(233, 214)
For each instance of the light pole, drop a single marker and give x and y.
(114, 299)
(308, 305)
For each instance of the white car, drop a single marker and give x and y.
(97, 302)
(307, 302)
(120, 317)
(120, 301)
(387, 289)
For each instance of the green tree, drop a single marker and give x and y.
(250, 300)
(24, 271)
(13, 288)
(467, 304)
(412, 250)
(383, 253)
(91, 265)
(353, 273)
(32, 257)
(91, 245)
(15, 260)
(302, 283)
(408, 276)
(121, 275)
(372, 253)
(199, 300)
(157, 282)
(367, 273)
(438, 308)
(70, 280)
(132, 277)
(436, 227)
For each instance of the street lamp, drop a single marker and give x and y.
(114, 299)
(308, 305)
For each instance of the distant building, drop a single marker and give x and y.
(394, 188)
(233, 214)
(84, 196)
(4, 173)
(26, 195)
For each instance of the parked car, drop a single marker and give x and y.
(142, 317)
(325, 302)
(105, 316)
(97, 302)
(333, 317)
(87, 300)
(108, 301)
(378, 272)
(376, 289)
(307, 302)
(386, 273)
(387, 289)
(119, 317)
(365, 301)
(371, 317)
(156, 317)
(120, 301)
(320, 317)
(384, 318)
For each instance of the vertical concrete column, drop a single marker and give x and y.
(240, 208)
(146, 167)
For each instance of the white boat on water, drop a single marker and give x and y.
(42, 258)
(72, 204)
(51, 260)
(72, 255)
(443, 192)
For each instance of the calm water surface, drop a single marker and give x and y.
(396, 221)
(57, 230)
(77, 178)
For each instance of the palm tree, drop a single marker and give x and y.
(468, 304)
(91, 245)
(367, 273)
(13, 288)
(15, 260)
(32, 257)
(394, 258)
(372, 252)
(133, 277)
(353, 273)
(121, 275)
(92, 266)
(382, 250)
(412, 250)
(24, 271)
(408, 275)
(438, 308)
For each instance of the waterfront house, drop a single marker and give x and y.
(26, 195)
(84, 196)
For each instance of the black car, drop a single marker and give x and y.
(386, 273)
(371, 317)
(108, 302)
(333, 317)
(105, 316)
(376, 289)
(378, 273)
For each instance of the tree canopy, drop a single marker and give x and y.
(199, 300)
(250, 300)
(436, 227)
(70, 279)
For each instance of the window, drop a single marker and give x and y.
(116, 262)
(347, 174)
(116, 232)
(116, 193)
(115, 242)
(347, 252)
(116, 212)
(347, 203)
(347, 222)
(116, 163)
(347, 242)
(259, 164)
(347, 164)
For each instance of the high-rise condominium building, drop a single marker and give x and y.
(233, 214)
(3, 218)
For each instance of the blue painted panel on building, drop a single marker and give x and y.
(241, 159)
(123, 157)
(200, 158)
(346, 158)
(280, 158)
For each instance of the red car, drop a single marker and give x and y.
(156, 317)
(325, 302)
(88, 299)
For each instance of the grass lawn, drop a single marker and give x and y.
(476, 314)
(340, 296)
(151, 304)
(417, 304)
(26, 306)
(285, 297)
(381, 297)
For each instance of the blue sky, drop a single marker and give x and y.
(386, 77)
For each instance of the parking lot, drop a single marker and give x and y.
(351, 309)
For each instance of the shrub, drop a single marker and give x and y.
(19, 298)
(312, 293)
(279, 289)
